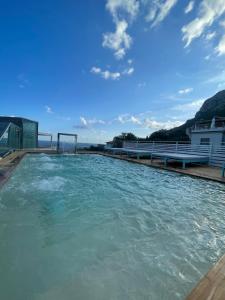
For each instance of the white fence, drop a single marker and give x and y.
(216, 154)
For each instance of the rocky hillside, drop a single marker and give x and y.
(214, 106)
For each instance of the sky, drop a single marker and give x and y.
(101, 67)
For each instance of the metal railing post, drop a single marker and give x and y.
(210, 152)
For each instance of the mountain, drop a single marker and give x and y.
(212, 107)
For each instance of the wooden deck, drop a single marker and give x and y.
(8, 164)
(212, 285)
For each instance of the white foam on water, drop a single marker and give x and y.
(51, 166)
(44, 158)
(53, 184)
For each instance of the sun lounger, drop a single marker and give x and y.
(184, 158)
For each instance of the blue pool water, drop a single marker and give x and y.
(91, 227)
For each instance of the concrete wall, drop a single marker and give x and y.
(215, 137)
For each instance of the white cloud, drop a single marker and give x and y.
(189, 7)
(124, 118)
(140, 120)
(111, 75)
(135, 120)
(106, 74)
(48, 109)
(156, 125)
(123, 12)
(210, 35)
(147, 122)
(83, 121)
(130, 7)
(88, 123)
(159, 10)
(209, 11)
(220, 49)
(128, 118)
(96, 70)
(118, 41)
(189, 107)
(185, 91)
(129, 71)
(130, 61)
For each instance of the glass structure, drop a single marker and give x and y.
(18, 133)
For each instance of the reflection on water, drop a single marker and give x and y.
(90, 227)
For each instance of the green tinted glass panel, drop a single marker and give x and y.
(14, 137)
(29, 134)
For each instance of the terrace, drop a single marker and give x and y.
(212, 283)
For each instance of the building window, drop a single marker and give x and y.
(205, 141)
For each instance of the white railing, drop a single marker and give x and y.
(216, 154)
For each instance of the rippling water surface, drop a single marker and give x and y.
(91, 227)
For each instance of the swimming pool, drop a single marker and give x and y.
(92, 227)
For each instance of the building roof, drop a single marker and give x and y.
(15, 119)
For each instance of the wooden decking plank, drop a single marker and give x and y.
(212, 285)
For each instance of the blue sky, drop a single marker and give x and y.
(101, 67)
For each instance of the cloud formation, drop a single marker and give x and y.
(112, 75)
(156, 125)
(220, 49)
(123, 13)
(209, 11)
(189, 7)
(118, 41)
(88, 123)
(185, 91)
(159, 10)
(128, 71)
(210, 35)
(148, 123)
(105, 74)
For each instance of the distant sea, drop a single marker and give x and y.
(65, 145)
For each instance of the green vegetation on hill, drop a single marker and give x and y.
(118, 140)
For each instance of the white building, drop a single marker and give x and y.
(208, 132)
